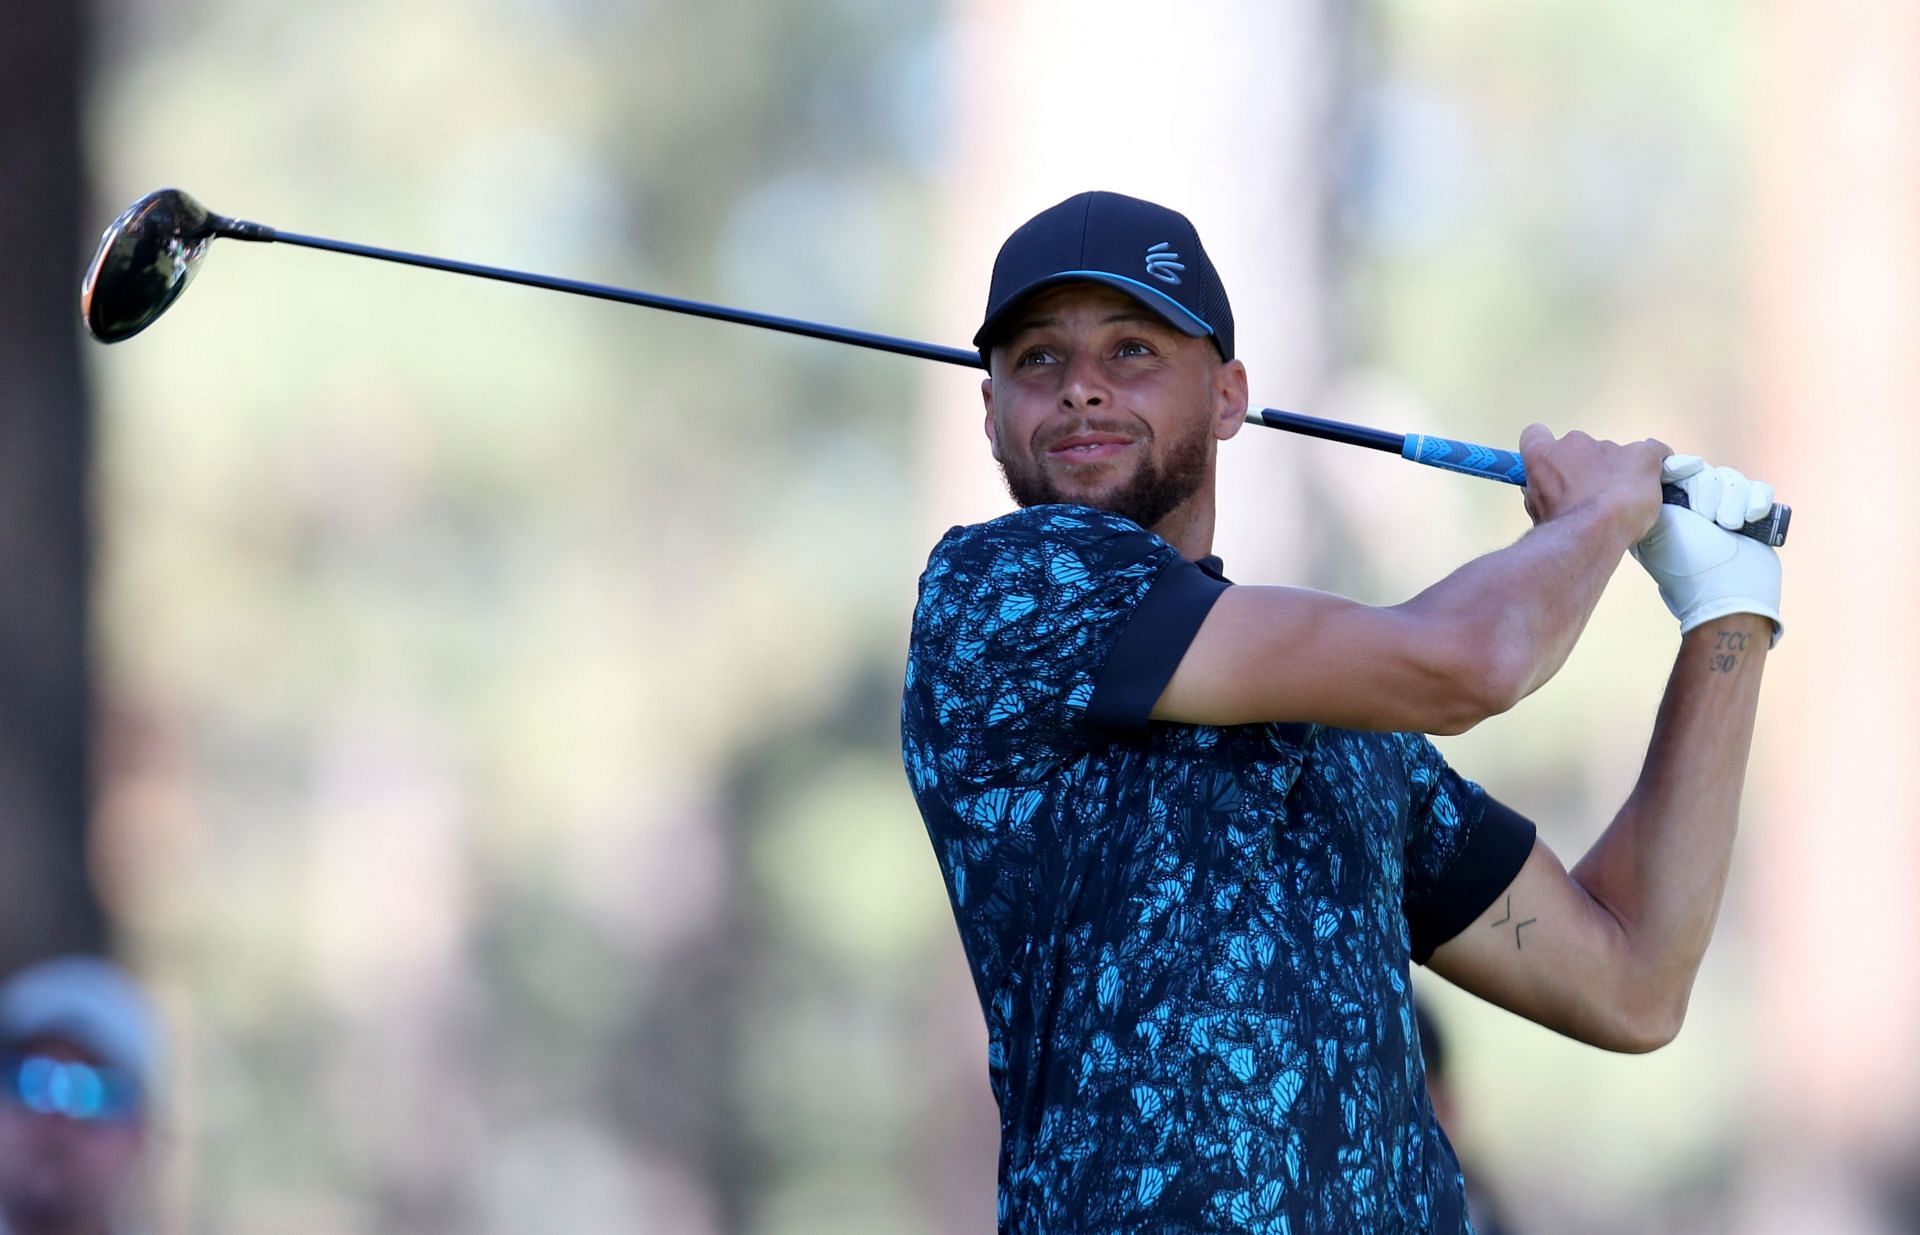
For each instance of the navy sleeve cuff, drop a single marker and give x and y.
(1149, 649)
(1496, 848)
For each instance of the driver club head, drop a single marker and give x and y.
(145, 260)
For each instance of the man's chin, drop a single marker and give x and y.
(1098, 486)
(1098, 499)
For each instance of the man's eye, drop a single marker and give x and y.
(1133, 347)
(1035, 355)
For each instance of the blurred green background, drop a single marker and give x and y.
(498, 691)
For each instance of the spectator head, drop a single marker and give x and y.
(79, 1046)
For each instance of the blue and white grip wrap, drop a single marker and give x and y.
(1464, 457)
(1475, 460)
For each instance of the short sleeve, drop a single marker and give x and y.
(1016, 622)
(1463, 849)
(1151, 646)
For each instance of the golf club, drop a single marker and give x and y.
(149, 254)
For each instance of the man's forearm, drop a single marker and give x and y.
(1661, 867)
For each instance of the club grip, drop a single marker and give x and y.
(1768, 529)
(1505, 465)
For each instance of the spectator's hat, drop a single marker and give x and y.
(89, 1003)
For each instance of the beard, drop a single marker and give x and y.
(1154, 490)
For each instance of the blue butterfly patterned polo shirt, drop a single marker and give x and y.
(1191, 942)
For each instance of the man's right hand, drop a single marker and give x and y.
(1616, 482)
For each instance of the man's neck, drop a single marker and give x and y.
(1190, 528)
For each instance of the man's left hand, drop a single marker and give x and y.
(1720, 493)
(1704, 569)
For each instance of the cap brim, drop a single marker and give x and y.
(1164, 306)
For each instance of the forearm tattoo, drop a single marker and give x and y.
(1729, 649)
(1517, 926)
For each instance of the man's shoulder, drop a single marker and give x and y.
(1030, 574)
(1034, 529)
(1375, 757)
(1352, 750)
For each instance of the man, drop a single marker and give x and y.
(77, 1055)
(1191, 831)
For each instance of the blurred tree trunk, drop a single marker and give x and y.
(1837, 272)
(47, 902)
(1050, 100)
(1839, 284)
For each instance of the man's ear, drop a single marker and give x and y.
(1230, 399)
(993, 430)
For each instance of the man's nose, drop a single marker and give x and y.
(1085, 384)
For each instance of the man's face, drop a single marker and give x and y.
(59, 1173)
(1093, 399)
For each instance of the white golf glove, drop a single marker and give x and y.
(1706, 571)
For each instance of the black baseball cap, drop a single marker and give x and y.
(1151, 253)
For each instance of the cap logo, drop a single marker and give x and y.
(1164, 265)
